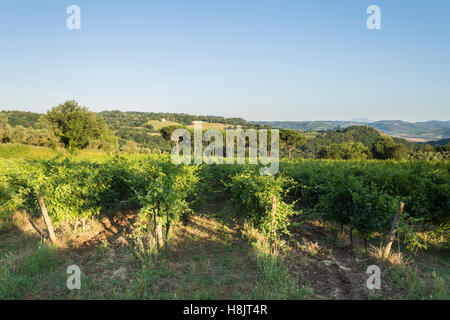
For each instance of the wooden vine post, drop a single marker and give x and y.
(47, 220)
(387, 248)
(158, 227)
(274, 213)
(159, 233)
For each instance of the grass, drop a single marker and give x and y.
(20, 151)
(157, 124)
(275, 282)
(274, 279)
(211, 125)
(409, 279)
(394, 258)
(205, 258)
(418, 280)
(19, 276)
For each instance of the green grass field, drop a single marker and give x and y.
(157, 124)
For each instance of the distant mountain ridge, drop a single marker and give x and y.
(417, 131)
(362, 120)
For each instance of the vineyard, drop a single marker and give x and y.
(360, 197)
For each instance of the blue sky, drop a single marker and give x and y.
(260, 60)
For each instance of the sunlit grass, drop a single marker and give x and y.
(395, 258)
(19, 276)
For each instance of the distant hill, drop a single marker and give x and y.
(418, 131)
(22, 118)
(441, 142)
(138, 127)
(429, 130)
(140, 131)
(142, 127)
(127, 118)
(308, 125)
(363, 134)
(132, 118)
(362, 120)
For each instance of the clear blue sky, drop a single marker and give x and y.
(256, 59)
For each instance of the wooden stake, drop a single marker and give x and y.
(83, 223)
(387, 249)
(159, 233)
(274, 212)
(274, 204)
(47, 220)
(167, 231)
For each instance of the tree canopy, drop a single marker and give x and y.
(79, 128)
(291, 139)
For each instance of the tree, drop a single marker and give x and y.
(397, 152)
(291, 139)
(386, 148)
(5, 129)
(130, 147)
(79, 128)
(166, 133)
(347, 150)
(380, 147)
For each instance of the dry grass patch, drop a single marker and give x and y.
(394, 259)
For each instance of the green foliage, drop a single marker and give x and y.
(252, 194)
(397, 152)
(79, 128)
(291, 139)
(166, 190)
(134, 132)
(21, 118)
(130, 118)
(40, 136)
(364, 194)
(380, 147)
(346, 150)
(163, 199)
(18, 276)
(431, 130)
(386, 148)
(275, 281)
(74, 189)
(137, 126)
(354, 134)
(166, 132)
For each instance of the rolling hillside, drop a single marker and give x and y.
(416, 131)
